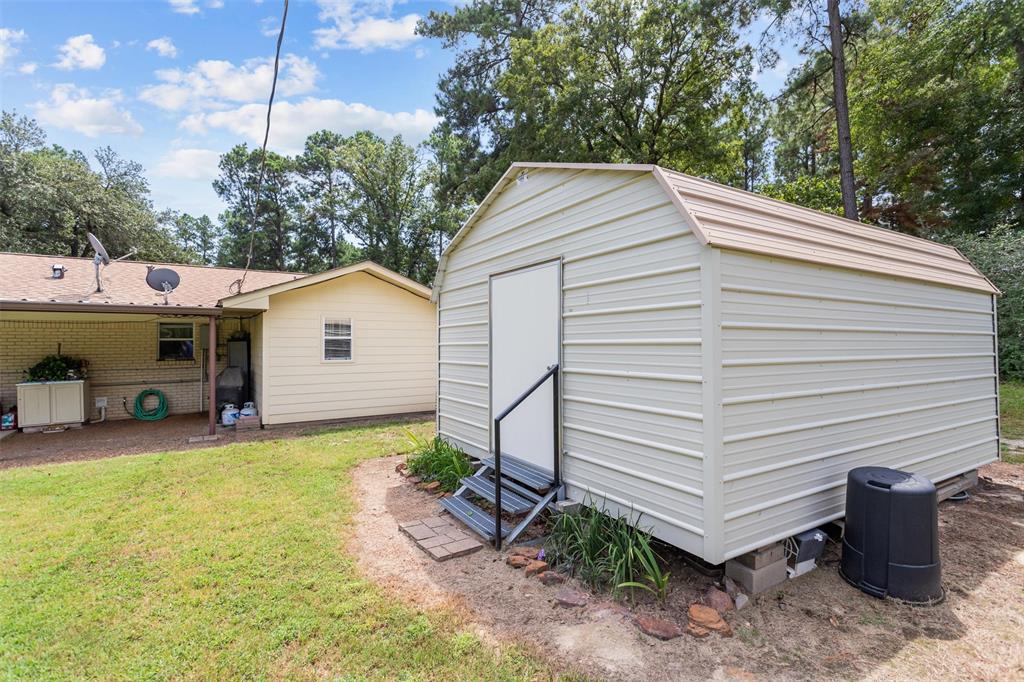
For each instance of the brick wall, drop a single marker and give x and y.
(122, 356)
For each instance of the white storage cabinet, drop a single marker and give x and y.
(45, 403)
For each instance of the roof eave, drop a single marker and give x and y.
(258, 299)
(76, 307)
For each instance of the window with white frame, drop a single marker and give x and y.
(337, 338)
(176, 341)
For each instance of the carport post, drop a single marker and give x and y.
(211, 373)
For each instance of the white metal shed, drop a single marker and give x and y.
(726, 358)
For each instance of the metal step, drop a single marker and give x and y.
(523, 472)
(510, 501)
(479, 521)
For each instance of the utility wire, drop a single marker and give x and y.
(236, 286)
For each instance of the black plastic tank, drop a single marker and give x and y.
(891, 541)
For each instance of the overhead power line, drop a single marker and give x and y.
(236, 286)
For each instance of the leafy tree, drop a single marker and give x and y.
(472, 109)
(802, 122)
(645, 81)
(999, 254)
(391, 212)
(267, 221)
(322, 189)
(820, 192)
(18, 136)
(51, 197)
(197, 238)
(939, 117)
(814, 109)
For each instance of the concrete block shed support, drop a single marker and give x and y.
(759, 570)
(211, 374)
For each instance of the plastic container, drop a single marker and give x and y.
(249, 409)
(891, 541)
(229, 415)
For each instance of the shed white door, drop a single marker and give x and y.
(525, 323)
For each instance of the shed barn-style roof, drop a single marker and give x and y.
(28, 282)
(729, 218)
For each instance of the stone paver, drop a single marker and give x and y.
(439, 538)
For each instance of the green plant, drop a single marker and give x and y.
(605, 550)
(438, 460)
(57, 368)
(654, 577)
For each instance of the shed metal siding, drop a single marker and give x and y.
(825, 369)
(631, 323)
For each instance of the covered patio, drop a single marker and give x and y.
(130, 337)
(110, 439)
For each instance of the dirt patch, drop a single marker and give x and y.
(813, 627)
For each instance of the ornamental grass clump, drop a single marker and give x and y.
(607, 551)
(438, 460)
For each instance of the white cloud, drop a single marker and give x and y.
(364, 25)
(293, 122)
(184, 6)
(188, 164)
(211, 83)
(73, 108)
(270, 26)
(10, 37)
(28, 68)
(192, 6)
(163, 47)
(81, 52)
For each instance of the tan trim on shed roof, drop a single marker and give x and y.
(729, 218)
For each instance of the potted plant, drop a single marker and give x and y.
(58, 368)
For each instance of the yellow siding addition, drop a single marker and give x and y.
(393, 369)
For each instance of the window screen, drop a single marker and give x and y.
(176, 341)
(338, 339)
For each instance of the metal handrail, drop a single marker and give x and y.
(552, 374)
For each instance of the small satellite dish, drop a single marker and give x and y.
(163, 280)
(101, 253)
(101, 258)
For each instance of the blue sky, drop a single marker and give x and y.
(175, 83)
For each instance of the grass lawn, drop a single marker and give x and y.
(213, 564)
(1011, 405)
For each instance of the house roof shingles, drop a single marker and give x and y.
(28, 279)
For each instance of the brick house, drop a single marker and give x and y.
(351, 342)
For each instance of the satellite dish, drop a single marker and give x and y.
(101, 253)
(101, 258)
(163, 280)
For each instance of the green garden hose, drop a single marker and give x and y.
(157, 413)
